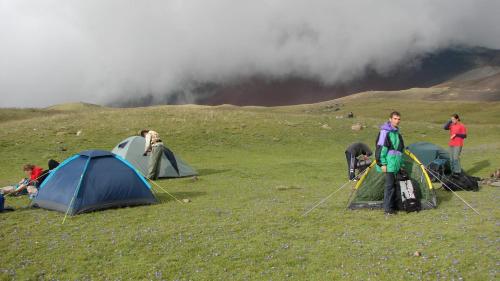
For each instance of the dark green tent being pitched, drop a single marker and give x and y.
(370, 187)
(427, 152)
(171, 165)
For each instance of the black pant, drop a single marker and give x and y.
(351, 165)
(390, 192)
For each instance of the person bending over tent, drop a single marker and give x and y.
(155, 145)
(458, 133)
(352, 153)
(26, 185)
(388, 156)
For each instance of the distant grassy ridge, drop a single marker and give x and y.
(260, 169)
(9, 114)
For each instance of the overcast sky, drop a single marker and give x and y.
(98, 50)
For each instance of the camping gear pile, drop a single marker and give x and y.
(437, 164)
(493, 180)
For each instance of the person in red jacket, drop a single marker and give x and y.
(29, 184)
(458, 133)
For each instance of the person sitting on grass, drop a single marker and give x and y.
(26, 185)
(52, 165)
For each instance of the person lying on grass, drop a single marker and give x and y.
(25, 185)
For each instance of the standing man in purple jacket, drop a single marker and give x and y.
(389, 154)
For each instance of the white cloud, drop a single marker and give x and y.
(97, 50)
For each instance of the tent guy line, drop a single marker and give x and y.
(454, 193)
(331, 194)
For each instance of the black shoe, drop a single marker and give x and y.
(7, 209)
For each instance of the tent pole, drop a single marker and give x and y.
(354, 189)
(77, 189)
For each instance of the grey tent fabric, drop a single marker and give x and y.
(132, 148)
(427, 152)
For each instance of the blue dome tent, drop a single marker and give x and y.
(93, 180)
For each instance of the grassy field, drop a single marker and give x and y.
(260, 169)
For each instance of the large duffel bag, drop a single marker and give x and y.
(462, 181)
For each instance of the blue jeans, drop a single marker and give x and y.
(455, 159)
(390, 196)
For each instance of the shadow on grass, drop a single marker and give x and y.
(165, 197)
(443, 195)
(206, 172)
(478, 166)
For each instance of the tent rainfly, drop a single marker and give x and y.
(93, 180)
(132, 148)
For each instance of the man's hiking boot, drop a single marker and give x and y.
(390, 213)
(7, 209)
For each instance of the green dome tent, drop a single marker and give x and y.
(427, 152)
(369, 190)
(132, 148)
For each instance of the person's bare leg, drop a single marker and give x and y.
(7, 190)
(32, 191)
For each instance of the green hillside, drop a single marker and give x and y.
(260, 169)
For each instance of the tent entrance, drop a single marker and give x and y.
(370, 188)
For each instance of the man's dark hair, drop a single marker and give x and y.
(395, 113)
(455, 116)
(143, 132)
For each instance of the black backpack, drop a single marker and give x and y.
(462, 181)
(409, 200)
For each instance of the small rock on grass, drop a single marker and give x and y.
(356, 127)
(186, 200)
(417, 254)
